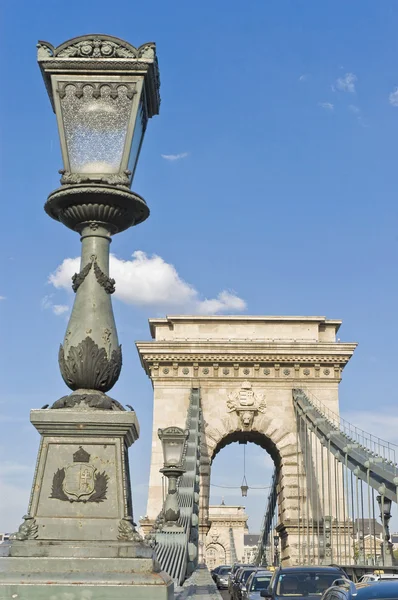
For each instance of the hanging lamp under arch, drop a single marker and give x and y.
(244, 487)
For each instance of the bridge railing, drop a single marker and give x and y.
(177, 552)
(374, 444)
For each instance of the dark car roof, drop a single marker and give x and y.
(377, 589)
(311, 569)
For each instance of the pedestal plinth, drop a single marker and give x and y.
(78, 540)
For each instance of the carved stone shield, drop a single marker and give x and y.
(79, 480)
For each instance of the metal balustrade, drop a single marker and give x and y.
(177, 552)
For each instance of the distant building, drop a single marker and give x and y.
(225, 539)
(367, 527)
(4, 537)
(368, 537)
(250, 542)
(394, 540)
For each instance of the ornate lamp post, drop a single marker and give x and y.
(385, 515)
(103, 90)
(276, 550)
(327, 540)
(173, 440)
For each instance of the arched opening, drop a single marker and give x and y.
(215, 555)
(240, 457)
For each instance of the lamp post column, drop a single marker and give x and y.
(171, 507)
(90, 358)
(387, 549)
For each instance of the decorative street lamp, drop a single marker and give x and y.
(173, 441)
(103, 91)
(276, 551)
(244, 487)
(385, 515)
(327, 540)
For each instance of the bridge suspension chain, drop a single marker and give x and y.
(345, 480)
(177, 552)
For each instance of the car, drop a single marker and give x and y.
(214, 571)
(368, 577)
(221, 579)
(241, 577)
(231, 577)
(302, 582)
(259, 580)
(373, 590)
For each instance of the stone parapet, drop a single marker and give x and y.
(200, 586)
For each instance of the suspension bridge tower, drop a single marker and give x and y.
(246, 369)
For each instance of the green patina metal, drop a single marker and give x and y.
(79, 535)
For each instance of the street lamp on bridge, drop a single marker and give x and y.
(173, 442)
(103, 90)
(276, 550)
(385, 515)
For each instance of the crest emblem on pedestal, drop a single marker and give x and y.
(246, 403)
(80, 481)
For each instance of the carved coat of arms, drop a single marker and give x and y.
(80, 481)
(246, 403)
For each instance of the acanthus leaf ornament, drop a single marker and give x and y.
(29, 530)
(87, 366)
(246, 403)
(127, 531)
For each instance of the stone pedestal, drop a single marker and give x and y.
(78, 540)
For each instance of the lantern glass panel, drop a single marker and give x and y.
(95, 120)
(137, 140)
(387, 506)
(172, 452)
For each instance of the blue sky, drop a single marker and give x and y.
(285, 197)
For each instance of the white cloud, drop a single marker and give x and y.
(60, 309)
(346, 83)
(57, 309)
(354, 109)
(174, 156)
(393, 97)
(327, 105)
(2, 298)
(304, 77)
(152, 282)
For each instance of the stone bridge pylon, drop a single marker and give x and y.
(246, 369)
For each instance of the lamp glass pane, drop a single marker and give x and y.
(172, 452)
(137, 139)
(387, 505)
(95, 118)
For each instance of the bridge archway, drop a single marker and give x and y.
(229, 519)
(280, 442)
(246, 369)
(215, 555)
